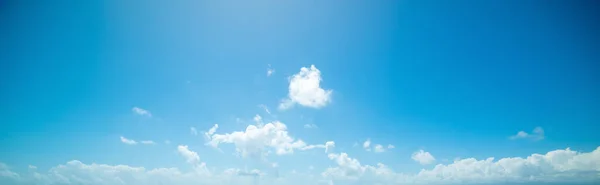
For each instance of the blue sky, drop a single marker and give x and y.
(440, 81)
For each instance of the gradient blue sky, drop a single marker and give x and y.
(456, 79)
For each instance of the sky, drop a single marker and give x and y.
(299, 92)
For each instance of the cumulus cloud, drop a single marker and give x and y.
(259, 139)
(140, 111)
(128, 141)
(423, 157)
(554, 166)
(558, 166)
(305, 89)
(390, 146)
(536, 134)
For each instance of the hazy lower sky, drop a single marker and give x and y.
(148, 92)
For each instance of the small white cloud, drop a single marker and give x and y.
(536, 134)
(309, 126)
(390, 146)
(270, 71)
(193, 131)
(128, 141)
(32, 167)
(190, 156)
(142, 112)
(305, 89)
(423, 157)
(367, 145)
(148, 142)
(274, 165)
(168, 142)
(379, 148)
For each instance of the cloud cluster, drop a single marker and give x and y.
(305, 89)
(258, 140)
(553, 167)
(377, 148)
(558, 166)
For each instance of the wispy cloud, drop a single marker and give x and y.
(310, 126)
(193, 131)
(142, 112)
(536, 134)
(128, 141)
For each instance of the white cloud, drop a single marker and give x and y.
(193, 131)
(378, 148)
(270, 71)
(558, 166)
(128, 141)
(259, 139)
(555, 166)
(390, 146)
(423, 157)
(168, 142)
(305, 89)
(191, 156)
(141, 111)
(536, 134)
(211, 131)
(309, 126)
(148, 142)
(367, 145)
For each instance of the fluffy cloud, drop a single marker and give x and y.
(390, 146)
(554, 166)
(558, 166)
(128, 141)
(258, 140)
(536, 134)
(423, 157)
(305, 89)
(140, 111)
